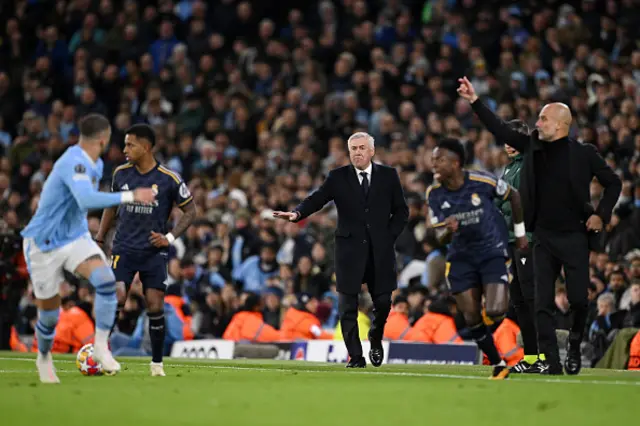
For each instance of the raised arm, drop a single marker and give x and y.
(502, 131)
(313, 203)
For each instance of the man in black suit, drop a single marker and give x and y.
(554, 184)
(372, 213)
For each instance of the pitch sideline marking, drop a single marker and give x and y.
(383, 373)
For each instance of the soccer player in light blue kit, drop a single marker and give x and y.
(57, 238)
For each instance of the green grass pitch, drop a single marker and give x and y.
(243, 392)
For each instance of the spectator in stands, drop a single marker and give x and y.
(398, 325)
(300, 321)
(248, 324)
(272, 311)
(254, 272)
(437, 324)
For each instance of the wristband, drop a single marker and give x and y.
(170, 238)
(519, 230)
(126, 197)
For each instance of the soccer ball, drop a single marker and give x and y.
(85, 362)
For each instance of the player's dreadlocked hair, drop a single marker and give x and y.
(455, 146)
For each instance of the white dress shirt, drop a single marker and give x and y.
(367, 171)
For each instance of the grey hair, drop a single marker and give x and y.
(180, 47)
(609, 299)
(359, 135)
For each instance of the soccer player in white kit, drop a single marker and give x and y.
(57, 238)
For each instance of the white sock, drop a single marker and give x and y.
(102, 338)
(502, 363)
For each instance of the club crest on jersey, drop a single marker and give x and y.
(184, 190)
(154, 189)
(475, 199)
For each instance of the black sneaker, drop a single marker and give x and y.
(521, 367)
(545, 368)
(573, 361)
(535, 367)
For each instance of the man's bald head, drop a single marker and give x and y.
(554, 122)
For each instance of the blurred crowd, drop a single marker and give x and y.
(253, 101)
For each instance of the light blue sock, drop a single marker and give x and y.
(46, 329)
(106, 302)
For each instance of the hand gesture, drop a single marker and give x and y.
(158, 240)
(290, 216)
(466, 90)
(451, 223)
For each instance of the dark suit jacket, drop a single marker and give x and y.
(584, 164)
(380, 218)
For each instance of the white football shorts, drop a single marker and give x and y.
(46, 268)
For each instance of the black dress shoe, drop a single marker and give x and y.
(376, 353)
(573, 362)
(357, 363)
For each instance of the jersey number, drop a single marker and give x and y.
(114, 261)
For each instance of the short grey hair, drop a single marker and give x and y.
(359, 135)
(609, 299)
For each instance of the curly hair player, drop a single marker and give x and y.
(463, 213)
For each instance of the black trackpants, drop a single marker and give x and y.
(552, 252)
(521, 292)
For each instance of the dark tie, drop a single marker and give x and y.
(365, 183)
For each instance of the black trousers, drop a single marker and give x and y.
(348, 308)
(552, 252)
(522, 295)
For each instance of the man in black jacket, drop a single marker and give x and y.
(555, 179)
(372, 212)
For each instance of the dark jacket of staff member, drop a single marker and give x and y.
(372, 213)
(521, 288)
(555, 180)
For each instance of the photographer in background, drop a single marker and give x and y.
(13, 282)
